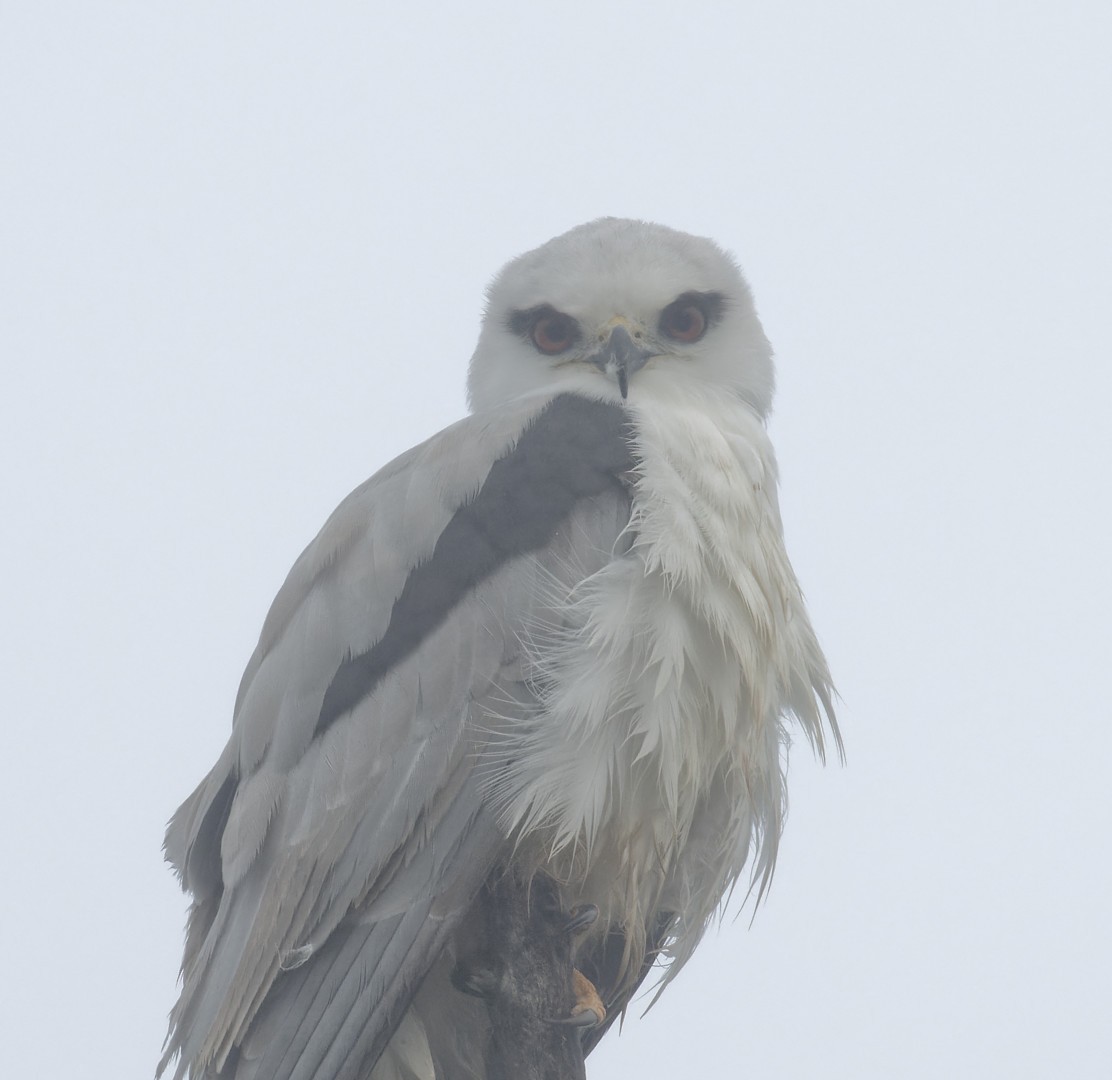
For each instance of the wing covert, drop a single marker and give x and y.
(318, 846)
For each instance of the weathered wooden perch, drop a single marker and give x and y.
(524, 973)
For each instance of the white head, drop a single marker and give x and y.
(618, 307)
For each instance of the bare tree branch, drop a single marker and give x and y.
(524, 972)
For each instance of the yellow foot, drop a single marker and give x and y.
(588, 1010)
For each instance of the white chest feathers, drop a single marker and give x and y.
(655, 769)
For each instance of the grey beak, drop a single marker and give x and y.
(621, 357)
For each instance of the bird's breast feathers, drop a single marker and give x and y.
(654, 768)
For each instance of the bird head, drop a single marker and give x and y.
(617, 308)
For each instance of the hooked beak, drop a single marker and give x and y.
(621, 357)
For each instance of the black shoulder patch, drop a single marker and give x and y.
(573, 449)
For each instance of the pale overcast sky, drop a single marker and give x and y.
(243, 248)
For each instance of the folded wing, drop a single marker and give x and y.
(344, 830)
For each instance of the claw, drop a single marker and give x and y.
(579, 918)
(476, 979)
(581, 1018)
(588, 1010)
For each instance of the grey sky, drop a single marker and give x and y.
(242, 255)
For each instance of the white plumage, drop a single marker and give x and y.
(562, 634)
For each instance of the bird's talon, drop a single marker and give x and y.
(481, 981)
(579, 918)
(588, 1010)
(581, 1018)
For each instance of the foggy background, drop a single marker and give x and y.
(243, 248)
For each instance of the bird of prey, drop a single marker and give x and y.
(562, 637)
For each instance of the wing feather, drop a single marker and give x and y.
(329, 861)
(329, 1016)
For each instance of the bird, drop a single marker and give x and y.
(559, 641)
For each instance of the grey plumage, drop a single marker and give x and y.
(443, 687)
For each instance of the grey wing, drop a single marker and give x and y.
(343, 832)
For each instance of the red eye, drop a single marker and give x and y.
(683, 321)
(554, 332)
